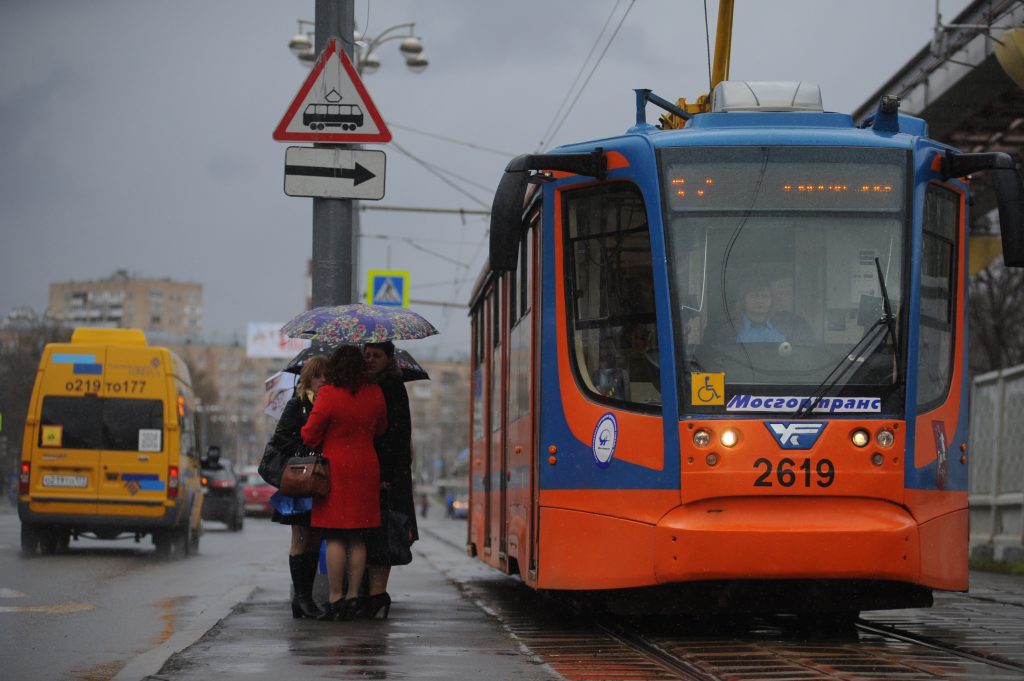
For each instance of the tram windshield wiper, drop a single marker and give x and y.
(860, 351)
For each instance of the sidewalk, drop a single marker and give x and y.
(433, 631)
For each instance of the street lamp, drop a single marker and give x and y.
(411, 48)
(301, 44)
(366, 59)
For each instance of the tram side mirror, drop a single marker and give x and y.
(507, 219)
(507, 207)
(1009, 198)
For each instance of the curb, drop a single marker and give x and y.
(151, 661)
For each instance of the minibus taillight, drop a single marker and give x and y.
(172, 482)
(23, 477)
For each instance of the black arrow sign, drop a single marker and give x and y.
(358, 175)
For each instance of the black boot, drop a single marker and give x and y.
(303, 569)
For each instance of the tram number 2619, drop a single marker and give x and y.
(788, 473)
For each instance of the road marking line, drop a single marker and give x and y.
(60, 608)
(11, 593)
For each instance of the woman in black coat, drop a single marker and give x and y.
(305, 548)
(394, 449)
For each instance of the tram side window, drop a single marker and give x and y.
(938, 274)
(611, 295)
(520, 335)
(479, 331)
(496, 388)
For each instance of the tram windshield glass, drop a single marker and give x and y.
(781, 259)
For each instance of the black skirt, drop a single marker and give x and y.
(301, 519)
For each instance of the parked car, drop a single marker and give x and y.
(223, 499)
(256, 493)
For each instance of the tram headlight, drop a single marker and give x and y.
(877, 459)
(711, 459)
(860, 438)
(702, 438)
(884, 438)
(729, 437)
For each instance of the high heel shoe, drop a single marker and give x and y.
(373, 605)
(332, 611)
(347, 611)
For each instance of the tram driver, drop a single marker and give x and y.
(753, 318)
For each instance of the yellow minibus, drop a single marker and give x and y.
(110, 446)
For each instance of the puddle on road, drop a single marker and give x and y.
(167, 616)
(102, 671)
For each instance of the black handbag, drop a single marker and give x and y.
(272, 465)
(395, 526)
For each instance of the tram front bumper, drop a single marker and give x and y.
(787, 538)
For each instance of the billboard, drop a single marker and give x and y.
(264, 339)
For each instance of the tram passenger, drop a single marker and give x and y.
(348, 414)
(303, 554)
(394, 450)
(639, 354)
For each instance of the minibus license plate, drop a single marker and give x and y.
(65, 481)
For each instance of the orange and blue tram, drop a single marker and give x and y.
(723, 366)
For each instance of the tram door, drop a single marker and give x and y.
(519, 448)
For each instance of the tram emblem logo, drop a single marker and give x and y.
(606, 435)
(796, 434)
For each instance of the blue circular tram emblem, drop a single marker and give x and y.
(605, 435)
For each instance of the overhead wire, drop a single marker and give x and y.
(592, 71)
(583, 66)
(707, 41)
(440, 174)
(453, 140)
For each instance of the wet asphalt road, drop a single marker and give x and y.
(88, 613)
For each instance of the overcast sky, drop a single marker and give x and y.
(137, 134)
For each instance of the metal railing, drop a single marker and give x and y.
(997, 465)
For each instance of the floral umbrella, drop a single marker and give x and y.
(358, 323)
(411, 369)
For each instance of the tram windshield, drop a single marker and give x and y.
(786, 261)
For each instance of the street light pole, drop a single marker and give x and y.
(335, 221)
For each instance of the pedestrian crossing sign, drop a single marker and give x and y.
(388, 287)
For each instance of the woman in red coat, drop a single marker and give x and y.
(348, 414)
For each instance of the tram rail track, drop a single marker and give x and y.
(581, 644)
(874, 652)
(983, 657)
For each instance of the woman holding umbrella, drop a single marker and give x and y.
(303, 556)
(394, 450)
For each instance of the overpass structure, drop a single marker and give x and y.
(967, 84)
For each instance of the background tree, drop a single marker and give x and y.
(996, 314)
(21, 346)
(211, 429)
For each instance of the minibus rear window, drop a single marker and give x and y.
(98, 422)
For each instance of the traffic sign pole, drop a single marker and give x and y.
(335, 221)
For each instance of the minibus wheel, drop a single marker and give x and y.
(49, 540)
(29, 538)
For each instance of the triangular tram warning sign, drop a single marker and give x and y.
(332, 105)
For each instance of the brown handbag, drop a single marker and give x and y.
(306, 476)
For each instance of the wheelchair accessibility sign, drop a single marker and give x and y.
(387, 287)
(707, 389)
